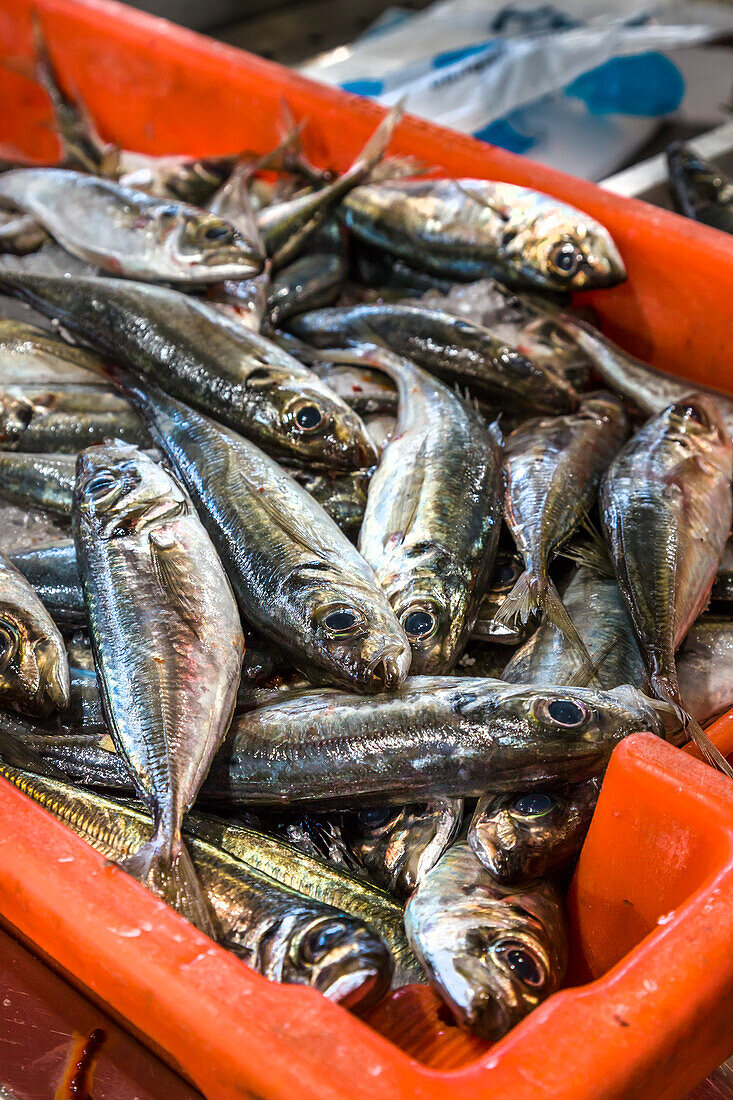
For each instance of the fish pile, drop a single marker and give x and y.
(699, 189)
(368, 551)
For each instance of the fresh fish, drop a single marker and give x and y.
(705, 668)
(318, 835)
(298, 579)
(29, 354)
(599, 614)
(699, 189)
(381, 429)
(450, 347)
(666, 507)
(311, 281)
(315, 879)
(286, 227)
(52, 571)
(487, 628)
(492, 952)
(167, 643)
(398, 845)
(343, 497)
(532, 834)
(129, 233)
(433, 514)
(34, 670)
(275, 930)
(188, 179)
(38, 480)
(553, 467)
(38, 418)
(645, 388)
(723, 585)
(231, 202)
(49, 259)
(437, 737)
(364, 390)
(471, 228)
(189, 349)
(20, 234)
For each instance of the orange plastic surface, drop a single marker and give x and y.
(652, 898)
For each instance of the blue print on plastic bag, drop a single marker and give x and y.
(504, 135)
(646, 85)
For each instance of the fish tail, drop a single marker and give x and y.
(552, 605)
(522, 601)
(669, 691)
(375, 148)
(165, 867)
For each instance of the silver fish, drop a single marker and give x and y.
(470, 228)
(65, 418)
(39, 480)
(492, 952)
(52, 571)
(126, 232)
(167, 643)
(433, 514)
(487, 628)
(705, 668)
(666, 506)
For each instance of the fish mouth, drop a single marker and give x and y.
(387, 671)
(357, 971)
(52, 692)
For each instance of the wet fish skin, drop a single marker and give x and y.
(526, 835)
(398, 845)
(298, 579)
(130, 233)
(433, 514)
(705, 667)
(595, 605)
(167, 644)
(699, 189)
(185, 346)
(492, 952)
(343, 497)
(469, 229)
(38, 480)
(436, 737)
(30, 354)
(666, 507)
(553, 467)
(311, 281)
(64, 419)
(52, 571)
(315, 879)
(450, 347)
(508, 569)
(275, 930)
(34, 670)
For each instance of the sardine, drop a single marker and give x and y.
(193, 352)
(39, 480)
(65, 418)
(705, 668)
(666, 507)
(34, 670)
(492, 952)
(553, 467)
(449, 347)
(398, 845)
(699, 188)
(275, 930)
(52, 571)
(471, 228)
(126, 232)
(343, 496)
(298, 579)
(32, 355)
(167, 644)
(315, 879)
(528, 835)
(311, 281)
(433, 514)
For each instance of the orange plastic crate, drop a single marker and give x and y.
(652, 898)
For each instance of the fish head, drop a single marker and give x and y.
(34, 669)
(304, 417)
(399, 845)
(16, 414)
(341, 958)
(507, 571)
(204, 247)
(695, 424)
(120, 491)
(562, 249)
(359, 637)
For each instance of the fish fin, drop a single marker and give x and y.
(375, 148)
(711, 752)
(521, 603)
(166, 869)
(532, 593)
(592, 555)
(556, 612)
(172, 571)
(18, 755)
(586, 674)
(482, 201)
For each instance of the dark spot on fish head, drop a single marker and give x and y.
(534, 804)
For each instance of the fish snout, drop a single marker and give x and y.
(350, 964)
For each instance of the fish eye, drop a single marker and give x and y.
(100, 484)
(343, 621)
(380, 815)
(506, 573)
(565, 258)
(217, 232)
(306, 417)
(568, 714)
(689, 411)
(168, 211)
(419, 623)
(522, 962)
(9, 643)
(534, 804)
(319, 940)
